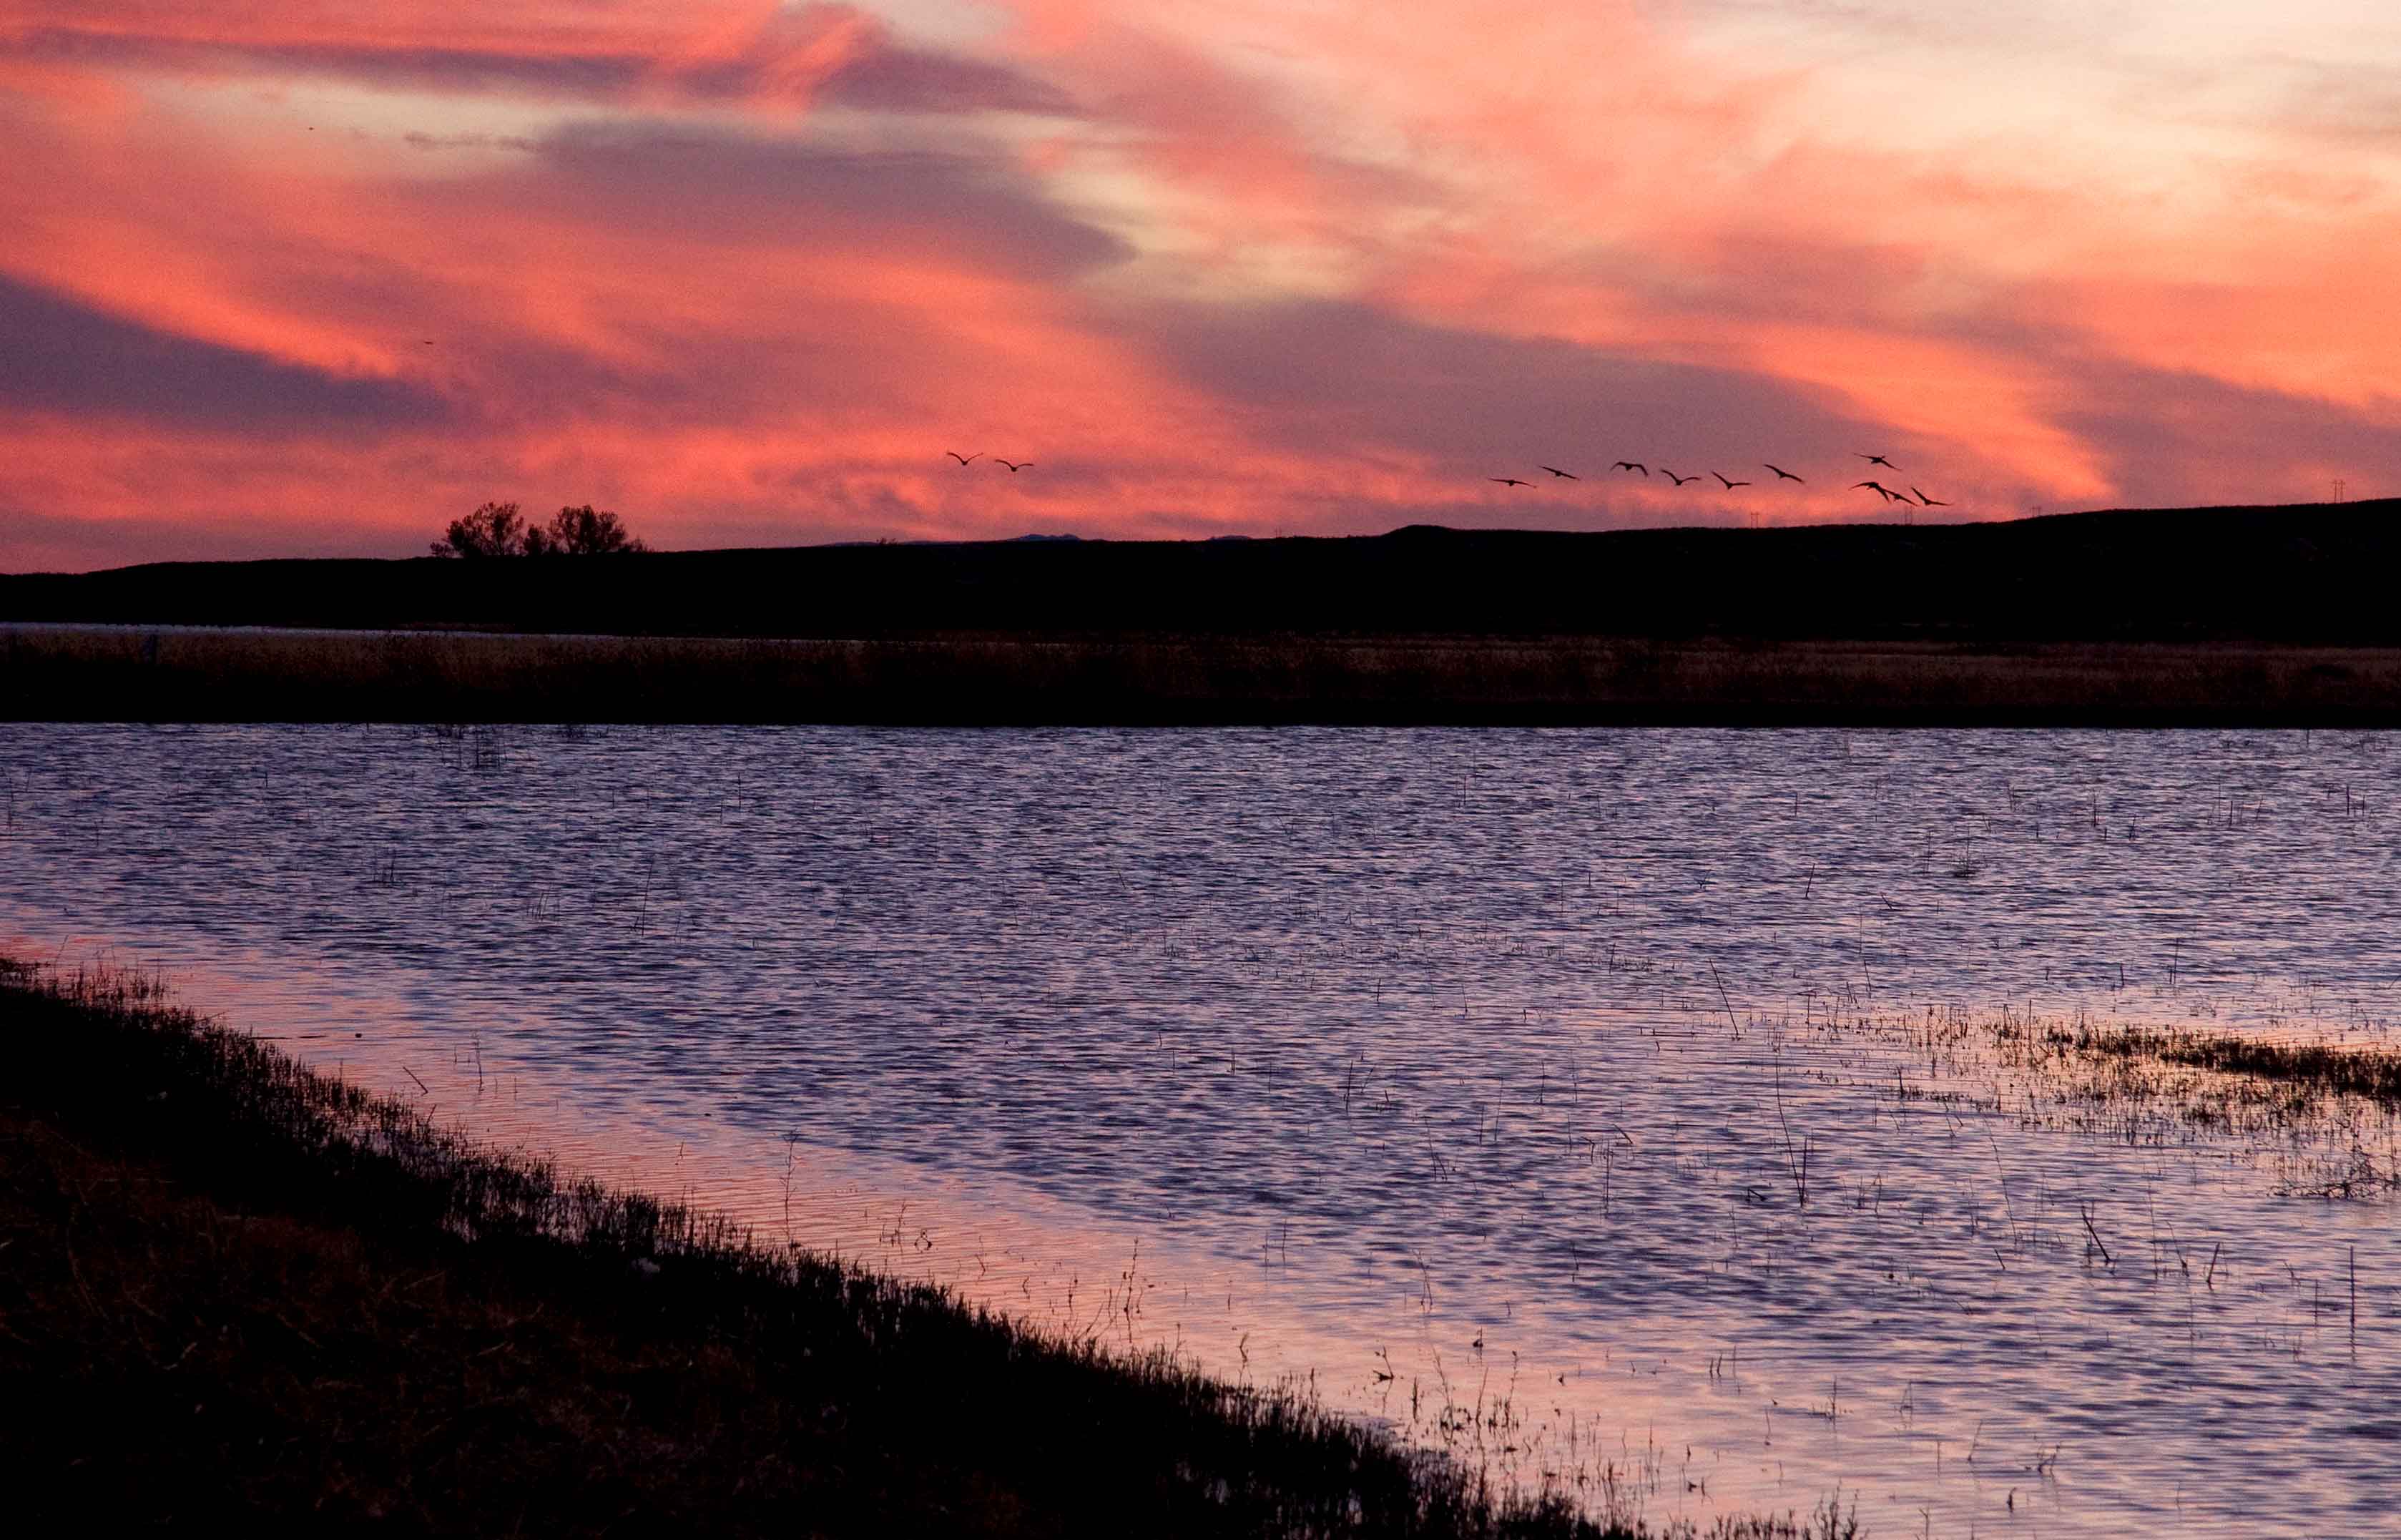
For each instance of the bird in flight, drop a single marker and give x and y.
(1783, 475)
(1876, 459)
(1880, 490)
(963, 459)
(1633, 466)
(1014, 466)
(1509, 481)
(1563, 475)
(1674, 477)
(1730, 486)
(1930, 503)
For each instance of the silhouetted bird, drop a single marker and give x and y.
(425, 342)
(1014, 466)
(1509, 481)
(963, 459)
(1563, 475)
(1674, 477)
(1880, 490)
(1783, 475)
(1876, 459)
(1633, 466)
(1930, 503)
(1730, 486)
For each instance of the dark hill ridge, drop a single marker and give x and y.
(2304, 573)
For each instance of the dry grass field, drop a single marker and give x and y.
(69, 673)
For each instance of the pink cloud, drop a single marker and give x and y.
(756, 52)
(745, 271)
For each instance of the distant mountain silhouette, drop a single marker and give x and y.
(2309, 572)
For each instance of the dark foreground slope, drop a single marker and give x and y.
(236, 1293)
(2315, 574)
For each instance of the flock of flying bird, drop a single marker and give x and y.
(1922, 501)
(1912, 498)
(965, 460)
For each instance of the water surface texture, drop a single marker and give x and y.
(1596, 1104)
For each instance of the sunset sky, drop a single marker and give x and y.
(744, 271)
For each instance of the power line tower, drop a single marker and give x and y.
(2339, 484)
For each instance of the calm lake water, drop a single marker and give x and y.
(1493, 1061)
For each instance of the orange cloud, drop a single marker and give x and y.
(745, 270)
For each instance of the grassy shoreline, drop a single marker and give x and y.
(248, 1289)
(76, 673)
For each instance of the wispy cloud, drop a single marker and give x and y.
(744, 269)
(67, 359)
(763, 54)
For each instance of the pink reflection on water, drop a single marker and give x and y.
(1447, 1089)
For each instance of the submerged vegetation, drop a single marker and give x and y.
(2373, 1072)
(2322, 1119)
(2320, 1116)
(249, 1288)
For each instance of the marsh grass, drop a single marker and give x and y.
(2324, 1117)
(65, 673)
(2370, 1072)
(250, 1289)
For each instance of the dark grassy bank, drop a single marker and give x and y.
(234, 1291)
(2312, 574)
(65, 674)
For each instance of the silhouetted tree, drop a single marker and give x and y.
(494, 529)
(582, 532)
(498, 530)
